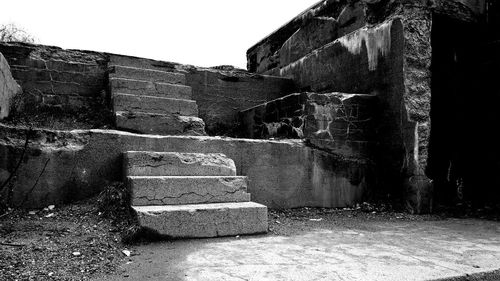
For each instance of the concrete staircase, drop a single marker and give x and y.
(152, 101)
(191, 195)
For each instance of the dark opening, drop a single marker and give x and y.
(464, 143)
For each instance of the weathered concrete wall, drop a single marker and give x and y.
(368, 61)
(403, 84)
(65, 166)
(267, 55)
(8, 88)
(219, 93)
(338, 122)
(55, 77)
(318, 25)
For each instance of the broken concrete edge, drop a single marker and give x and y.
(73, 165)
(150, 163)
(9, 88)
(151, 235)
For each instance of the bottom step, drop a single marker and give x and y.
(162, 124)
(204, 220)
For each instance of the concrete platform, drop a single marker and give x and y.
(159, 124)
(150, 75)
(147, 88)
(152, 104)
(148, 163)
(149, 191)
(205, 220)
(353, 250)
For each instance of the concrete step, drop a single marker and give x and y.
(180, 190)
(151, 75)
(147, 163)
(203, 221)
(147, 88)
(150, 104)
(159, 124)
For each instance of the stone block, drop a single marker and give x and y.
(144, 163)
(203, 221)
(150, 104)
(333, 116)
(150, 75)
(316, 33)
(147, 88)
(148, 191)
(160, 124)
(8, 88)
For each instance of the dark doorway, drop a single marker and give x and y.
(464, 143)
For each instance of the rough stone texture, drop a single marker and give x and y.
(281, 174)
(157, 89)
(315, 34)
(417, 100)
(209, 220)
(162, 124)
(8, 88)
(330, 118)
(55, 77)
(170, 190)
(151, 104)
(146, 163)
(150, 75)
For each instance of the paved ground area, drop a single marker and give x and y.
(329, 247)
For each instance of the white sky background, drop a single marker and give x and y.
(197, 32)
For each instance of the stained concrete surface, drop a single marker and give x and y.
(360, 250)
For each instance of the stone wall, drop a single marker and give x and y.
(51, 76)
(8, 88)
(62, 167)
(337, 122)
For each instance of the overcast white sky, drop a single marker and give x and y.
(198, 32)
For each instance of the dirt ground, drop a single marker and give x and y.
(82, 242)
(69, 243)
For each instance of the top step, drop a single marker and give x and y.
(151, 75)
(147, 163)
